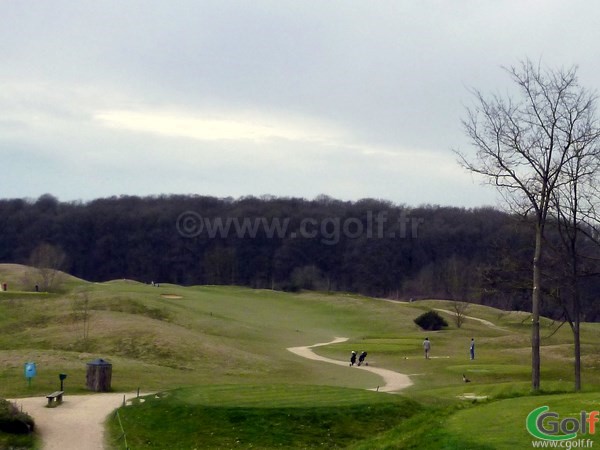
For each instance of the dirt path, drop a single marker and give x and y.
(392, 381)
(77, 424)
(483, 321)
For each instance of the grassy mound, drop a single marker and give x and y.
(22, 279)
(16, 427)
(274, 416)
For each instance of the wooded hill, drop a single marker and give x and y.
(370, 246)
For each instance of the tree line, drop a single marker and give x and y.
(370, 246)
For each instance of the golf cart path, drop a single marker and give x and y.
(483, 321)
(393, 381)
(76, 424)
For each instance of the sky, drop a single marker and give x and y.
(229, 98)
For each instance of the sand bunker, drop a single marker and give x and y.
(471, 396)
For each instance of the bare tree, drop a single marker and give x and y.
(574, 205)
(46, 260)
(460, 312)
(81, 307)
(523, 146)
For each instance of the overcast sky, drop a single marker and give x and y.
(351, 99)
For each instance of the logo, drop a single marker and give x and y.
(548, 425)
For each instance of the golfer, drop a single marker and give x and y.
(426, 347)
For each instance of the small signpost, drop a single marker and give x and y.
(30, 372)
(62, 377)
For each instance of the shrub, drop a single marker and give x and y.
(431, 321)
(14, 421)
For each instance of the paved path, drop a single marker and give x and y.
(77, 424)
(393, 381)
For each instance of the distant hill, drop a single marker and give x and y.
(19, 277)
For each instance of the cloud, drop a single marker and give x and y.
(211, 127)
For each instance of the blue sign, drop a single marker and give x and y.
(30, 370)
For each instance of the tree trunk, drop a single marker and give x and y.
(576, 307)
(576, 329)
(577, 356)
(535, 311)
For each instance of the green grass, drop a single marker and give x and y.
(273, 416)
(17, 441)
(488, 424)
(222, 343)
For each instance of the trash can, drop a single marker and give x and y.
(98, 376)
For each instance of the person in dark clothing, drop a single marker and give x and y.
(352, 358)
(361, 358)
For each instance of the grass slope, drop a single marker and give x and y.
(202, 337)
(261, 416)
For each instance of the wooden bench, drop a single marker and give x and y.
(55, 397)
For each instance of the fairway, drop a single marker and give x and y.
(392, 381)
(262, 369)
